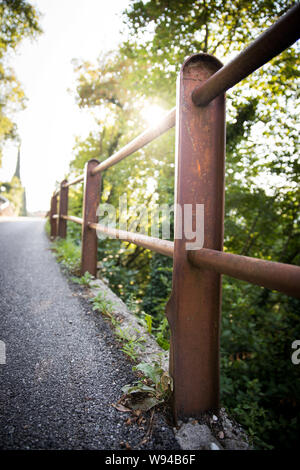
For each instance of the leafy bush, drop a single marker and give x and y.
(259, 384)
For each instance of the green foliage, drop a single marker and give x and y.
(47, 227)
(68, 253)
(148, 321)
(153, 382)
(158, 288)
(131, 342)
(18, 20)
(14, 192)
(85, 280)
(164, 33)
(104, 305)
(260, 385)
(162, 334)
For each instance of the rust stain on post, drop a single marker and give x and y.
(91, 199)
(194, 308)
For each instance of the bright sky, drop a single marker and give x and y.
(48, 126)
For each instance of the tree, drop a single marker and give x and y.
(18, 20)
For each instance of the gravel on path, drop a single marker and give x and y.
(63, 370)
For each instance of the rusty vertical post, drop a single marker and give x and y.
(91, 199)
(194, 307)
(53, 222)
(63, 209)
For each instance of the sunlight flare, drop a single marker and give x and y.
(152, 113)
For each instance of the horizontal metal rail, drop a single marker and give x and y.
(72, 218)
(75, 181)
(163, 247)
(272, 42)
(281, 277)
(272, 275)
(166, 123)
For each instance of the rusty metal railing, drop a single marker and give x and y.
(194, 308)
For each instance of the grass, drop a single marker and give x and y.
(68, 253)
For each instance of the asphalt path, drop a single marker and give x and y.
(62, 370)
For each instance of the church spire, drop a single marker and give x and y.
(22, 210)
(17, 171)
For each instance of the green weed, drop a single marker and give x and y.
(130, 342)
(154, 384)
(67, 252)
(85, 280)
